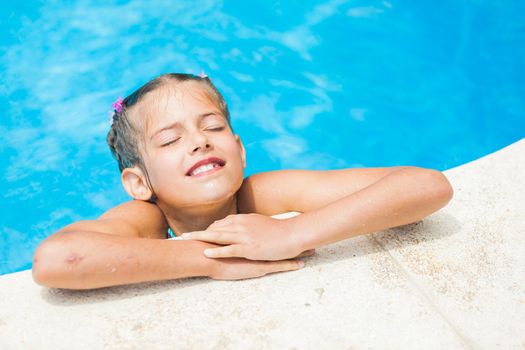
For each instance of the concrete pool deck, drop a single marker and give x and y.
(454, 280)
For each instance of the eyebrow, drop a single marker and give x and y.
(176, 124)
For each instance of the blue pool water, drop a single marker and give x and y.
(335, 84)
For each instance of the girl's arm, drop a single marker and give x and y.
(402, 197)
(116, 249)
(86, 259)
(336, 205)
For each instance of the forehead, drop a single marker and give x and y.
(174, 101)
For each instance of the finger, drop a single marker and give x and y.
(284, 265)
(213, 236)
(219, 223)
(228, 220)
(309, 252)
(224, 252)
(213, 226)
(224, 226)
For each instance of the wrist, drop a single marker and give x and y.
(201, 266)
(296, 235)
(189, 259)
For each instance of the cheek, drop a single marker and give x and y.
(235, 154)
(166, 164)
(233, 147)
(236, 160)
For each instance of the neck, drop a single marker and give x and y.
(198, 218)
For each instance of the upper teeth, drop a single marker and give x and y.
(204, 168)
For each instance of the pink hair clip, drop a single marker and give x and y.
(117, 105)
(202, 74)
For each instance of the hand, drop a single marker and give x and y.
(250, 236)
(240, 268)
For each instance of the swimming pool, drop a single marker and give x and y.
(332, 85)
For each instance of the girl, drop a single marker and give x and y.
(183, 165)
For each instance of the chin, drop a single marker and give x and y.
(214, 195)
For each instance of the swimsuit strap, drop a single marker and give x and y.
(171, 234)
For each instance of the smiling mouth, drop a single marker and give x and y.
(205, 170)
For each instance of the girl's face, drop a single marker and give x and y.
(182, 127)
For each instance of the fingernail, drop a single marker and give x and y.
(209, 252)
(301, 263)
(186, 235)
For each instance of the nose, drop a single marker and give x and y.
(199, 141)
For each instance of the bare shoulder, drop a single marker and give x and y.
(133, 218)
(280, 191)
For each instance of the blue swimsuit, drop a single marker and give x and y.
(171, 234)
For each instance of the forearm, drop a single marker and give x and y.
(402, 197)
(84, 260)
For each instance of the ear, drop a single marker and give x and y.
(243, 151)
(134, 183)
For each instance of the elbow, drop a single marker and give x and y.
(432, 191)
(42, 264)
(435, 183)
(47, 269)
(439, 186)
(444, 187)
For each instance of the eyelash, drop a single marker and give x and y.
(214, 129)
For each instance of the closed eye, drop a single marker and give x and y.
(170, 142)
(175, 140)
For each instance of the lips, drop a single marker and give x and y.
(216, 160)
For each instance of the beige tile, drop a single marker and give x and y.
(350, 296)
(469, 257)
